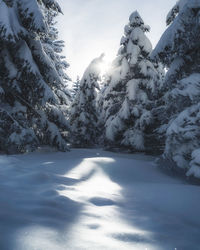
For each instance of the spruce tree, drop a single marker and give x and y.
(195, 164)
(30, 83)
(75, 87)
(129, 97)
(178, 49)
(84, 112)
(54, 48)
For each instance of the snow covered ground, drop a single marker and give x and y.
(91, 199)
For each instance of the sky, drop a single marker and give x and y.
(92, 27)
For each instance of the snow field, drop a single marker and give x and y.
(91, 199)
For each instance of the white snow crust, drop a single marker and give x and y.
(91, 199)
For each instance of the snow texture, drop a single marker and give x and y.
(91, 199)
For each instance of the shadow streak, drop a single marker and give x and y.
(29, 196)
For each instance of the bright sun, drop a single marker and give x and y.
(105, 64)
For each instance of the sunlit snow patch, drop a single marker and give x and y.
(93, 181)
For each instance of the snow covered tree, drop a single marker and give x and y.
(84, 112)
(75, 87)
(30, 84)
(178, 49)
(54, 48)
(183, 137)
(131, 90)
(195, 164)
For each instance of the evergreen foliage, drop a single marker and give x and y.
(75, 87)
(54, 48)
(178, 49)
(30, 83)
(131, 88)
(84, 113)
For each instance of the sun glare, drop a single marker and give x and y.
(105, 65)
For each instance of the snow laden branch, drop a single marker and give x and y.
(32, 77)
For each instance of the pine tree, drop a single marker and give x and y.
(101, 102)
(84, 113)
(131, 88)
(195, 164)
(178, 49)
(75, 87)
(54, 48)
(30, 114)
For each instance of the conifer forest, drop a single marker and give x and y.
(109, 160)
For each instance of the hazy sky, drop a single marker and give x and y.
(91, 27)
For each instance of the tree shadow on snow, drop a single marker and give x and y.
(153, 203)
(165, 209)
(29, 197)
